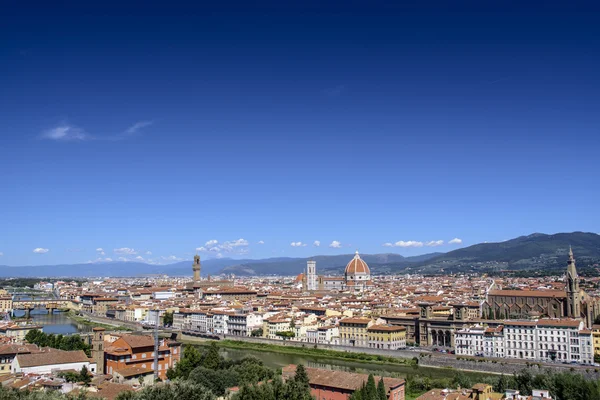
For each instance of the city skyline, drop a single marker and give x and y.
(382, 130)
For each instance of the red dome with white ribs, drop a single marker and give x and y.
(357, 266)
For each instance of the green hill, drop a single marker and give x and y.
(525, 252)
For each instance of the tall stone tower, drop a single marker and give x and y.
(311, 275)
(98, 349)
(573, 292)
(196, 268)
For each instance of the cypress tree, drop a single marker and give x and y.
(371, 388)
(381, 390)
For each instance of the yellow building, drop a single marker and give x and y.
(353, 331)
(596, 340)
(389, 337)
(275, 324)
(5, 304)
(16, 332)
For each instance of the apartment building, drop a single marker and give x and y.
(389, 337)
(138, 351)
(548, 340)
(353, 331)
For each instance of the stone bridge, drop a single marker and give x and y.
(48, 304)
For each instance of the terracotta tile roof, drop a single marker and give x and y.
(51, 358)
(136, 341)
(571, 323)
(340, 379)
(529, 293)
(109, 390)
(133, 371)
(364, 321)
(386, 328)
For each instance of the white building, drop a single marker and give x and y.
(51, 361)
(162, 295)
(327, 334)
(220, 321)
(548, 340)
(564, 340)
(469, 341)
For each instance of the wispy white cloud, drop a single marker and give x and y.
(172, 258)
(456, 241)
(316, 243)
(261, 242)
(238, 246)
(137, 126)
(298, 244)
(148, 253)
(69, 132)
(40, 250)
(434, 243)
(65, 132)
(100, 251)
(335, 244)
(139, 258)
(125, 250)
(402, 243)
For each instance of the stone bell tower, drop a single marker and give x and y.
(98, 349)
(573, 291)
(196, 267)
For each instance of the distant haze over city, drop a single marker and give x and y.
(531, 252)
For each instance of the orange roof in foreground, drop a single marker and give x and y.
(339, 379)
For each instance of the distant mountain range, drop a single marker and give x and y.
(526, 252)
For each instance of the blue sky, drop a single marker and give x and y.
(140, 130)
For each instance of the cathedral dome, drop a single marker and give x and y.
(357, 266)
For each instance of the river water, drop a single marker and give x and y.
(279, 360)
(57, 323)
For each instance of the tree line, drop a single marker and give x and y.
(68, 342)
(562, 386)
(206, 375)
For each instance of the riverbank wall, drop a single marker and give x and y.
(109, 321)
(427, 359)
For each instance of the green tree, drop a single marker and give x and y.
(190, 359)
(371, 388)
(462, 381)
(168, 319)
(286, 334)
(501, 385)
(177, 390)
(301, 376)
(381, 390)
(212, 360)
(257, 332)
(84, 375)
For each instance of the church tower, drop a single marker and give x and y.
(573, 292)
(311, 275)
(98, 349)
(196, 268)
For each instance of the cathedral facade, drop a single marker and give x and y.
(572, 302)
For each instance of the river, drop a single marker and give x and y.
(57, 323)
(278, 360)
